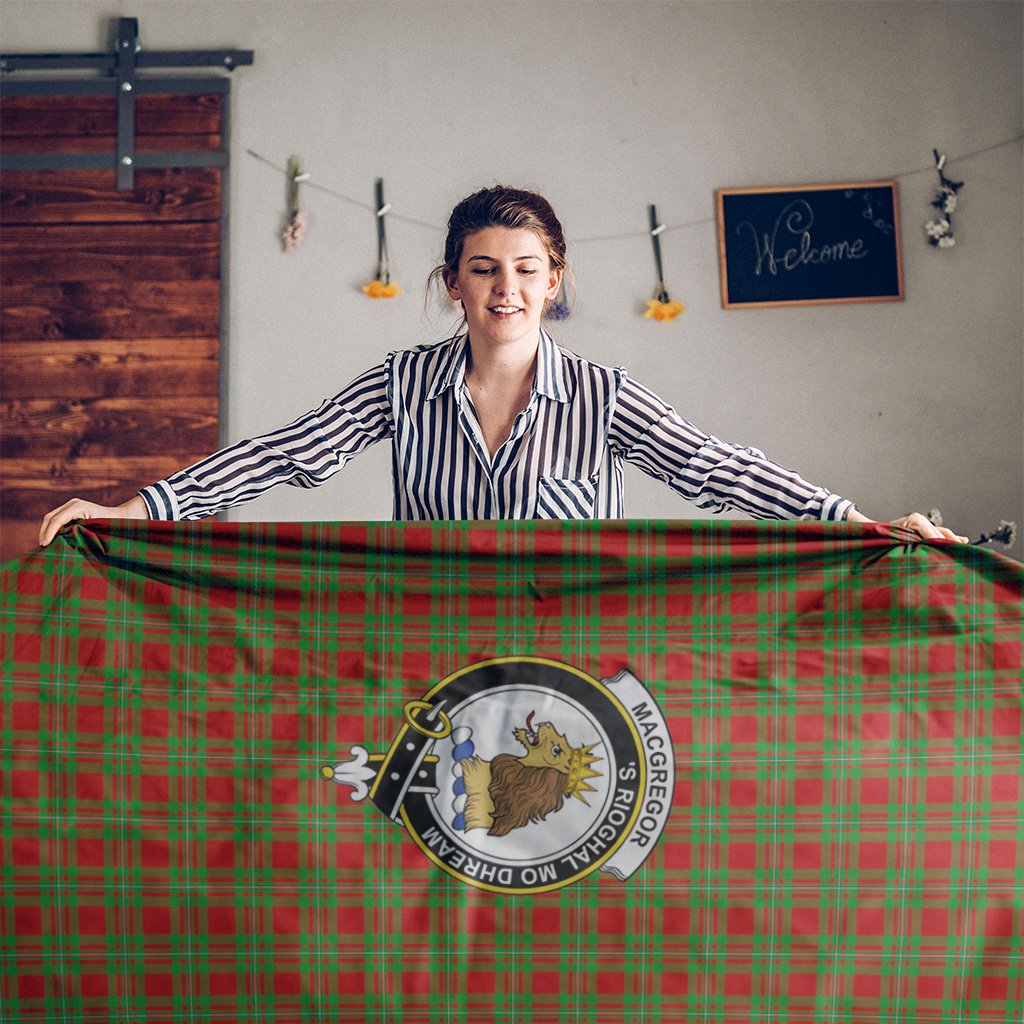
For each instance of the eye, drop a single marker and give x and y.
(483, 271)
(527, 271)
(556, 750)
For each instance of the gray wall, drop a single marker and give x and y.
(606, 107)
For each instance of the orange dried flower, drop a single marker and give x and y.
(380, 290)
(658, 310)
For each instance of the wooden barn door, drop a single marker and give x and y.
(111, 297)
(110, 312)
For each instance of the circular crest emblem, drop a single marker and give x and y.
(524, 774)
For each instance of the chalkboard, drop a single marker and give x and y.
(814, 244)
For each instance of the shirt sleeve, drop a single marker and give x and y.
(711, 473)
(304, 453)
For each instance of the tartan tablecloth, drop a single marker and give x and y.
(272, 772)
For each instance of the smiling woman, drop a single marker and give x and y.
(496, 422)
(504, 282)
(510, 208)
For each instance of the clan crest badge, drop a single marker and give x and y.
(524, 775)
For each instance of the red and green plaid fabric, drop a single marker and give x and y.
(844, 841)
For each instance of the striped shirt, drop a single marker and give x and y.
(562, 460)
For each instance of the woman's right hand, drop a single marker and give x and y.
(78, 508)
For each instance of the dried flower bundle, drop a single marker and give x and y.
(660, 307)
(940, 230)
(298, 219)
(381, 287)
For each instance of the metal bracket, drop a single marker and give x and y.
(123, 65)
(128, 46)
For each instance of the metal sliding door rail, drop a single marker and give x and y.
(122, 67)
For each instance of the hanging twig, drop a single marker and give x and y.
(381, 287)
(661, 307)
(298, 219)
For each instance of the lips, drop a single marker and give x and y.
(505, 310)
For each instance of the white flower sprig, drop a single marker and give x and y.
(940, 230)
(1005, 533)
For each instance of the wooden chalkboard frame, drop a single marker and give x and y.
(774, 201)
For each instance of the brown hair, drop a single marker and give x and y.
(501, 207)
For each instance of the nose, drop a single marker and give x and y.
(505, 282)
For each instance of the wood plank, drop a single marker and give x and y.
(118, 309)
(58, 429)
(135, 273)
(78, 116)
(18, 537)
(108, 144)
(100, 252)
(163, 195)
(33, 486)
(110, 369)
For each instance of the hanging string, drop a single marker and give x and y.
(965, 156)
(310, 183)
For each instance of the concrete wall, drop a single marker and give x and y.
(606, 107)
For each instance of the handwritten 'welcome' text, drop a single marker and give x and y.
(796, 221)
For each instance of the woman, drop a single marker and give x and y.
(496, 423)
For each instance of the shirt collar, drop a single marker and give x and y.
(549, 381)
(451, 370)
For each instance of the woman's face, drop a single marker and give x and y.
(504, 280)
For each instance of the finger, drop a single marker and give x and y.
(51, 526)
(927, 530)
(60, 508)
(919, 524)
(54, 520)
(46, 528)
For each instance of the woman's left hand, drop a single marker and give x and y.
(916, 523)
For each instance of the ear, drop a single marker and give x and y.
(451, 283)
(554, 283)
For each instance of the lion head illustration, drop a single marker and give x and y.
(509, 791)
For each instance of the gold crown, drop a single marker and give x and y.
(580, 761)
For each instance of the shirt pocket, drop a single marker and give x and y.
(566, 498)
